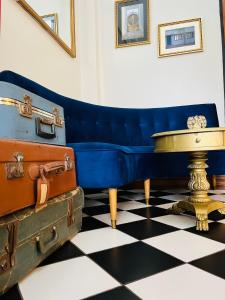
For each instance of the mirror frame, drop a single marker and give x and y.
(70, 50)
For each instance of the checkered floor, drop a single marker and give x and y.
(151, 255)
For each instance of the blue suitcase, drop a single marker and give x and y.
(29, 117)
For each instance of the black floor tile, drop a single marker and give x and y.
(150, 212)
(90, 223)
(12, 294)
(97, 197)
(216, 216)
(216, 232)
(126, 193)
(134, 261)
(214, 264)
(145, 229)
(157, 201)
(96, 210)
(92, 191)
(160, 194)
(67, 251)
(120, 293)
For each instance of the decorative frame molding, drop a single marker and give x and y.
(116, 13)
(70, 50)
(56, 23)
(199, 48)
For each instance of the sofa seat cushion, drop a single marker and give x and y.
(102, 165)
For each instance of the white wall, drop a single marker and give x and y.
(136, 77)
(125, 77)
(26, 48)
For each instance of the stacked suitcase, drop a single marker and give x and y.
(40, 203)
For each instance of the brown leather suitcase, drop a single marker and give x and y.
(32, 173)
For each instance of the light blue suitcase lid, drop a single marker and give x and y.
(9, 90)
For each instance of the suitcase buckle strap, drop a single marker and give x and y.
(25, 108)
(70, 215)
(15, 169)
(7, 261)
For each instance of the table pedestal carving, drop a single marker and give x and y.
(199, 202)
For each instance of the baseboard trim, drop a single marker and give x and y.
(172, 183)
(181, 182)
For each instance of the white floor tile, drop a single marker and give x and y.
(218, 197)
(182, 283)
(101, 239)
(217, 191)
(175, 197)
(128, 205)
(179, 221)
(184, 245)
(222, 221)
(134, 197)
(122, 218)
(73, 279)
(166, 206)
(90, 203)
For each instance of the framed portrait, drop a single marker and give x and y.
(52, 21)
(180, 37)
(132, 22)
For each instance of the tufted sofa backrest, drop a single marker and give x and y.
(124, 126)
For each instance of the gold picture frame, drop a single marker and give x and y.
(132, 23)
(52, 21)
(180, 37)
(70, 50)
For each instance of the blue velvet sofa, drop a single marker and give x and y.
(113, 146)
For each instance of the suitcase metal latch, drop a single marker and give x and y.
(25, 108)
(7, 261)
(68, 163)
(15, 169)
(57, 119)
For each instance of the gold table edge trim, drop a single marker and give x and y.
(188, 131)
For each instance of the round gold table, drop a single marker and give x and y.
(198, 142)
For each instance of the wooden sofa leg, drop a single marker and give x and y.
(214, 182)
(147, 190)
(113, 206)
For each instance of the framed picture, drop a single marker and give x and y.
(180, 37)
(131, 22)
(52, 21)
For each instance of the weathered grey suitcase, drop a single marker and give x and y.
(29, 117)
(27, 238)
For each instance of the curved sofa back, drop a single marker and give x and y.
(124, 126)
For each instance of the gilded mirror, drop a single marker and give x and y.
(57, 18)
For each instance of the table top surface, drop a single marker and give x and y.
(190, 140)
(188, 131)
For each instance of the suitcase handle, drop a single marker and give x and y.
(37, 171)
(55, 166)
(44, 134)
(45, 247)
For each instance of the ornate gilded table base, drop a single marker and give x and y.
(199, 201)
